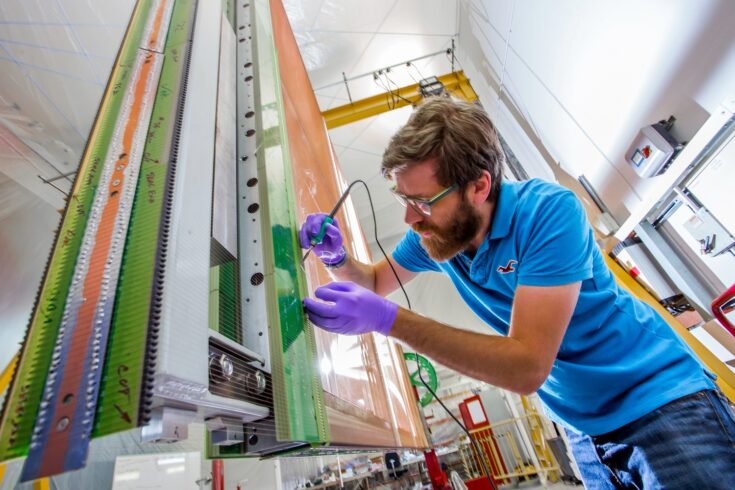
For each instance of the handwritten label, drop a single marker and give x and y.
(123, 389)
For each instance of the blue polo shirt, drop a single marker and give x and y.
(618, 360)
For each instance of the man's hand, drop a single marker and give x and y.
(352, 309)
(330, 251)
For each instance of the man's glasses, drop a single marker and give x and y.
(422, 206)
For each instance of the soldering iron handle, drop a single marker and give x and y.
(329, 219)
(316, 240)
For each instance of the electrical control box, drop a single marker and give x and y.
(652, 151)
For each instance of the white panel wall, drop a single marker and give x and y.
(585, 76)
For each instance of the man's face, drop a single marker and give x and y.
(453, 222)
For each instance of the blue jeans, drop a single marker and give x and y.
(686, 444)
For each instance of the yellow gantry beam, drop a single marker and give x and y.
(5, 378)
(7, 373)
(456, 83)
(725, 377)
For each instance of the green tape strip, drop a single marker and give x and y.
(118, 407)
(224, 304)
(21, 406)
(229, 304)
(214, 298)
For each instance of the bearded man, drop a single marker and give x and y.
(640, 409)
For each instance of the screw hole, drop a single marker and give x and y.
(253, 207)
(252, 182)
(249, 132)
(257, 279)
(62, 424)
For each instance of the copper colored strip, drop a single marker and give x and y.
(153, 38)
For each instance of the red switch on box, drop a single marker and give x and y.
(646, 151)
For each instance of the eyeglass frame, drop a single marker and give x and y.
(414, 202)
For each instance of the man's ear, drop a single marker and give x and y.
(479, 189)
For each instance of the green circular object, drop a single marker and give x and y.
(428, 373)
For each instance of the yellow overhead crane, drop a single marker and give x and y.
(458, 85)
(5, 377)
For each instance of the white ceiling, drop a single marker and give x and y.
(357, 37)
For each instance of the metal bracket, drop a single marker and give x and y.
(168, 425)
(225, 431)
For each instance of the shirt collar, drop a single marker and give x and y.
(505, 209)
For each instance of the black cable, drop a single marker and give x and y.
(461, 425)
(398, 89)
(408, 302)
(418, 71)
(375, 230)
(389, 96)
(408, 65)
(394, 94)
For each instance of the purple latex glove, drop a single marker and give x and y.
(352, 309)
(330, 251)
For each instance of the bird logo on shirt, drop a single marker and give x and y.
(510, 267)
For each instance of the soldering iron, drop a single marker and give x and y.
(319, 237)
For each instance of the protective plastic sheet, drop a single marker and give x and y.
(368, 396)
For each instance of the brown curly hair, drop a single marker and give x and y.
(458, 134)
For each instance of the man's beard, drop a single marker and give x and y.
(446, 242)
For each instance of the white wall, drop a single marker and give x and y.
(253, 473)
(580, 78)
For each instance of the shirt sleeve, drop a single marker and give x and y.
(558, 246)
(411, 255)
